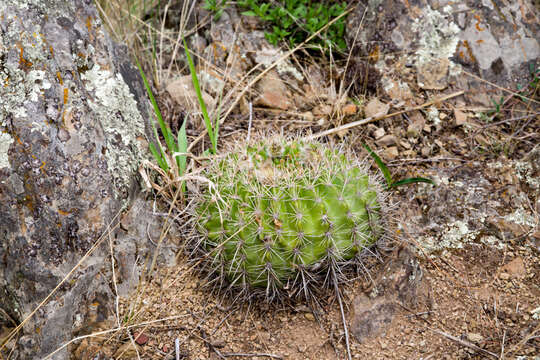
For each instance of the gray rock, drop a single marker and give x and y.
(497, 43)
(72, 134)
(402, 283)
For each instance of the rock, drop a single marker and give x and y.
(475, 338)
(402, 282)
(515, 269)
(273, 92)
(183, 92)
(491, 41)
(460, 117)
(379, 133)
(141, 338)
(349, 109)
(73, 125)
(391, 153)
(387, 140)
(309, 316)
(415, 128)
(376, 108)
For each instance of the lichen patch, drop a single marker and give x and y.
(5, 142)
(116, 111)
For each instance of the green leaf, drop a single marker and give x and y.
(412, 181)
(249, 13)
(381, 165)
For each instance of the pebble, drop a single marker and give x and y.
(387, 140)
(475, 337)
(379, 133)
(391, 152)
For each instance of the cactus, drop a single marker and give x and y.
(283, 216)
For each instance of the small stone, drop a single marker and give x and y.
(504, 276)
(308, 116)
(141, 338)
(460, 117)
(274, 93)
(387, 140)
(405, 144)
(183, 92)
(379, 133)
(391, 152)
(376, 108)
(515, 268)
(474, 337)
(426, 151)
(309, 316)
(349, 109)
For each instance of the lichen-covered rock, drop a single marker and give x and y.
(497, 41)
(71, 138)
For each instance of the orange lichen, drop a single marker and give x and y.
(469, 51)
(62, 212)
(66, 91)
(26, 64)
(374, 54)
(478, 21)
(59, 77)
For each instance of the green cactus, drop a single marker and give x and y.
(283, 215)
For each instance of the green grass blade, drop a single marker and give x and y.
(197, 87)
(182, 148)
(169, 139)
(381, 165)
(412, 181)
(162, 163)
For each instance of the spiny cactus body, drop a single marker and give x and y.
(286, 215)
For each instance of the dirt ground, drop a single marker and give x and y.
(477, 300)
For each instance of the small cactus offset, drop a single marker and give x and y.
(286, 216)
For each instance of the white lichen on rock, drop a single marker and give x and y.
(439, 36)
(521, 217)
(525, 173)
(18, 88)
(116, 111)
(5, 142)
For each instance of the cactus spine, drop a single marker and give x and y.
(284, 215)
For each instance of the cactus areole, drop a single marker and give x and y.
(285, 214)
